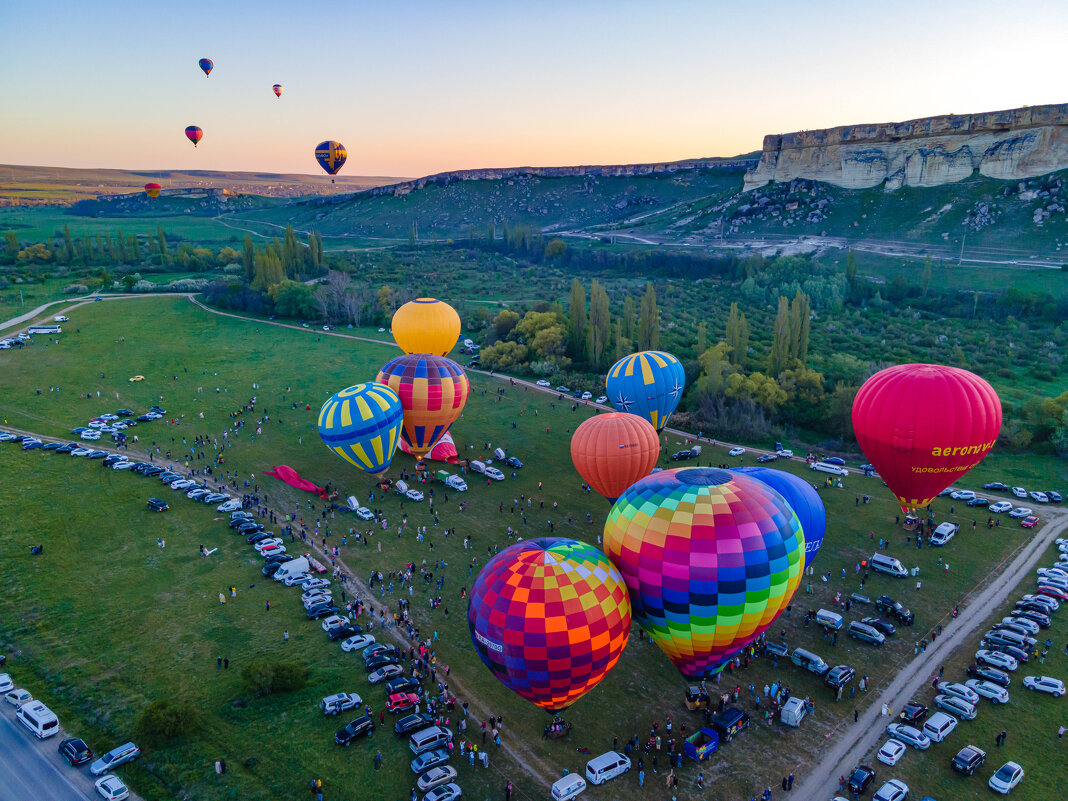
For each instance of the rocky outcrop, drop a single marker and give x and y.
(1013, 144)
(504, 173)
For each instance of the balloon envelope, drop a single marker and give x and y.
(612, 451)
(803, 499)
(648, 384)
(362, 425)
(194, 134)
(277, 90)
(549, 618)
(426, 325)
(923, 426)
(444, 450)
(153, 190)
(331, 156)
(710, 557)
(432, 390)
(206, 64)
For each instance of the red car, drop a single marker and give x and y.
(398, 702)
(1029, 522)
(1053, 592)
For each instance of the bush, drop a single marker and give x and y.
(75, 289)
(264, 677)
(164, 720)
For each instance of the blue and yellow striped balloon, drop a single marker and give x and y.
(648, 384)
(362, 425)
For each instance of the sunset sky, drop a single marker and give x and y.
(413, 88)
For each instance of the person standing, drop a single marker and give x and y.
(508, 791)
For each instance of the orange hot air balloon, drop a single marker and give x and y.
(194, 134)
(923, 426)
(153, 190)
(612, 451)
(426, 325)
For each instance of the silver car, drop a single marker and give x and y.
(987, 689)
(956, 706)
(909, 735)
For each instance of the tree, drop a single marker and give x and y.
(649, 323)
(737, 336)
(165, 720)
(702, 338)
(715, 367)
(268, 269)
(128, 281)
(630, 319)
(68, 245)
(839, 418)
(925, 279)
(779, 355)
(503, 324)
(577, 312)
(800, 322)
(133, 249)
(248, 258)
(387, 301)
(11, 245)
(292, 253)
(852, 281)
(533, 322)
(555, 249)
(804, 396)
(550, 343)
(293, 299)
(161, 239)
(503, 354)
(600, 325)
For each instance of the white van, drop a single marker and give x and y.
(939, 726)
(39, 719)
(429, 739)
(944, 533)
(793, 711)
(833, 469)
(400, 487)
(478, 467)
(809, 661)
(829, 619)
(888, 564)
(499, 453)
(568, 787)
(606, 766)
(352, 502)
(60, 318)
(293, 567)
(456, 483)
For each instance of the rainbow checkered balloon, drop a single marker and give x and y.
(710, 558)
(549, 617)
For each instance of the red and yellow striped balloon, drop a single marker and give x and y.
(432, 390)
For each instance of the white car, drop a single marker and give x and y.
(298, 578)
(1052, 572)
(962, 495)
(339, 702)
(108, 417)
(1000, 506)
(90, 436)
(1039, 497)
(181, 484)
(315, 599)
(987, 689)
(739, 452)
(1021, 511)
(96, 424)
(543, 383)
(997, 659)
(413, 495)
(446, 792)
(587, 396)
(1044, 684)
(314, 584)
(909, 735)
(601, 399)
(6, 684)
(1023, 622)
(81, 451)
(333, 622)
(315, 593)
(785, 454)
(230, 506)
(959, 690)
(893, 790)
(384, 673)
(1053, 581)
(381, 330)
(956, 706)
(269, 543)
(1050, 603)
(125, 464)
(494, 473)
(18, 697)
(111, 788)
(1019, 492)
(357, 642)
(1007, 777)
(891, 752)
(365, 514)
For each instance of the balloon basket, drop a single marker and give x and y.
(557, 728)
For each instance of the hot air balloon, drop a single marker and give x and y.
(710, 557)
(194, 134)
(612, 451)
(153, 190)
(206, 64)
(923, 426)
(331, 156)
(277, 90)
(648, 384)
(444, 450)
(362, 425)
(550, 618)
(426, 325)
(803, 499)
(432, 390)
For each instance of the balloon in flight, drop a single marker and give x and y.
(549, 618)
(648, 384)
(923, 426)
(803, 499)
(711, 558)
(362, 425)
(277, 90)
(432, 391)
(612, 451)
(194, 134)
(426, 325)
(153, 190)
(331, 156)
(207, 65)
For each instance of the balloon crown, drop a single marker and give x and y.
(703, 476)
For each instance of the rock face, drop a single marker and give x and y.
(1013, 144)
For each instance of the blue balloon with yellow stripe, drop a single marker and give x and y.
(648, 384)
(362, 425)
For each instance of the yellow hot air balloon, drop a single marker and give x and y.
(426, 325)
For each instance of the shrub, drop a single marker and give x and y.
(264, 677)
(75, 289)
(164, 720)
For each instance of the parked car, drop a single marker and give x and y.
(322, 610)
(446, 792)
(893, 790)
(1021, 512)
(909, 735)
(987, 689)
(959, 690)
(1038, 497)
(379, 661)
(75, 751)
(344, 632)
(962, 495)
(1008, 776)
(601, 399)
(879, 625)
(1044, 684)
(541, 382)
(377, 649)
(364, 513)
(682, 456)
(111, 788)
(435, 777)
(409, 724)
(956, 706)
(1002, 661)
(977, 501)
(968, 760)
(157, 505)
(400, 702)
(1055, 497)
(403, 684)
(357, 643)
(6, 684)
(897, 610)
(839, 676)
(1019, 492)
(361, 727)
(428, 760)
(991, 674)
(767, 457)
(1029, 522)
(339, 702)
(736, 451)
(414, 495)
(383, 673)
(860, 778)
(995, 485)
(1000, 506)
(494, 473)
(891, 752)
(127, 752)
(18, 697)
(912, 713)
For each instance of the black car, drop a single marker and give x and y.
(860, 778)
(277, 558)
(75, 751)
(1032, 606)
(271, 568)
(1054, 497)
(237, 522)
(155, 470)
(968, 760)
(897, 610)
(144, 418)
(156, 505)
(361, 727)
(988, 673)
(379, 649)
(880, 625)
(124, 413)
(839, 675)
(995, 485)
(32, 445)
(1040, 617)
(247, 528)
(380, 660)
(51, 446)
(322, 610)
(1019, 654)
(97, 454)
(512, 462)
(403, 684)
(979, 502)
(913, 713)
(1010, 627)
(767, 457)
(344, 632)
(410, 724)
(256, 536)
(682, 456)
(168, 478)
(157, 410)
(70, 446)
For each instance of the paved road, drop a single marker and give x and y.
(32, 770)
(861, 738)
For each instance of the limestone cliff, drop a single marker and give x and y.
(1017, 143)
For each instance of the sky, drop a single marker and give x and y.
(413, 87)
